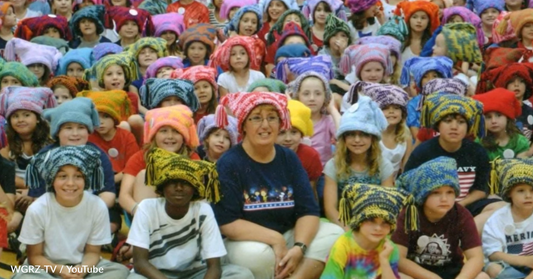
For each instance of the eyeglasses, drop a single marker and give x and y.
(258, 119)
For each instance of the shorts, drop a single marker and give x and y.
(445, 272)
(510, 272)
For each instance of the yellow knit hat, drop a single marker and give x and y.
(300, 117)
(506, 173)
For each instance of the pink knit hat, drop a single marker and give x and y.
(30, 53)
(359, 55)
(168, 22)
(221, 56)
(34, 99)
(241, 104)
(227, 5)
(178, 117)
(509, 32)
(198, 73)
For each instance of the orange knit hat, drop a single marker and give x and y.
(113, 102)
(518, 20)
(407, 9)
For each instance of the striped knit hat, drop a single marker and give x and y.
(155, 90)
(208, 123)
(198, 73)
(335, 25)
(320, 64)
(359, 55)
(221, 56)
(442, 85)
(386, 95)
(34, 99)
(507, 173)
(395, 46)
(178, 117)
(124, 60)
(115, 103)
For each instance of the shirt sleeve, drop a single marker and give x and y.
(522, 144)
(7, 176)
(131, 143)
(139, 234)
(394, 258)
(212, 245)
(101, 232)
(330, 170)
(32, 231)
(337, 259)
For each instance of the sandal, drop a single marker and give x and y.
(117, 256)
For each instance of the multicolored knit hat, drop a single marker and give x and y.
(461, 42)
(29, 28)
(294, 86)
(173, 62)
(47, 164)
(20, 72)
(168, 22)
(29, 53)
(419, 66)
(438, 106)
(153, 7)
(480, 5)
(420, 182)
(163, 166)
(468, 16)
(277, 29)
(395, 27)
(117, 16)
(507, 173)
(34, 99)
(292, 51)
(4, 6)
(155, 90)
(95, 13)
(227, 5)
(333, 26)
(292, 29)
(233, 24)
(500, 100)
(198, 73)
(74, 85)
(362, 202)
(336, 6)
(517, 19)
(178, 117)
(78, 110)
(289, 4)
(208, 123)
(221, 56)
(123, 59)
(157, 44)
(115, 103)
(359, 55)
(507, 34)
(394, 46)
(407, 9)
(365, 116)
(82, 56)
(442, 85)
(103, 49)
(273, 85)
(300, 117)
(58, 43)
(320, 64)
(201, 32)
(357, 6)
(241, 104)
(386, 95)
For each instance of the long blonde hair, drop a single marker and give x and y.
(343, 159)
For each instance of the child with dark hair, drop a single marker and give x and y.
(87, 25)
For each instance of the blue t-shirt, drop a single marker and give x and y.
(273, 195)
(109, 175)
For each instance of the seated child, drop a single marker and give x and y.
(216, 141)
(66, 88)
(75, 62)
(16, 74)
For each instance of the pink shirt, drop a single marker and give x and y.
(322, 139)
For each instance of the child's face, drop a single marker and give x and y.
(338, 42)
(62, 95)
(275, 9)
(496, 122)
(248, 24)
(178, 194)
(290, 138)
(197, 53)
(10, 19)
(372, 72)
(439, 201)
(114, 78)
(169, 139)
(312, 94)
(52, 32)
(62, 7)
(107, 124)
(429, 76)
(73, 134)
(294, 18)
(527, 32)
(75, 70)
(164, 72)
(169, 36)
(171, 101)
(375, 230)
(522, 196)
(419, 21)
(358, 142)
(23, 122)
(204, 91)
(455, 19)
(218, 141)
(514, 3)
(238, 58)
(68, 186)
(87, 27)
(440, 48)
(147, 56)
(518, 86)
(232, 12)
(37, 69)
(393, 113)
(321, 12)
(129, 30)
(295, 39)
(489, 16)
(453, 129)
(10, 81)
(372, 11)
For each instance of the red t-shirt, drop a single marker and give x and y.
(193, 13)
(263, 32)
(136, 163)
(317, 43)
(119, 149)
(134, 102)
(310, 160)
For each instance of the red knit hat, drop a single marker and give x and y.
(196, 74)
(221, 56)
(501, 76)
(122, 14)
(32, 27)
(500, 100)
(407, 9)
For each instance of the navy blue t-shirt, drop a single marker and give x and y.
(273, 195)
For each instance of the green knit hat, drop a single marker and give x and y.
(273, 85)
(335, 25)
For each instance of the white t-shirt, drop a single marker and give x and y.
(369, 30)
(176, 245)
(227, 80)
(66, 230)
(394, 155)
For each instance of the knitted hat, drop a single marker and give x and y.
(289, 4)
(157, 44)
(442, 85)
(362, 202)
(60, 44)
(82, 56)
(292, 29)
(34, 99)
(4, 6)
(117, 16)
(336, 6)
(420, 182)
(320, 64)
(273, 85)
(438, 106)
(178, 117)
(501, 76)
(461, 42)
(201, 32)
(386, 95)
(501, 56)
(168, 22)
(47, 164)
(233, 24)
(80, 110)
(294, 86)
(507, 173)
(407, 9)
(481, 5)
(292, 50)
(300, 117)
(95, 13)
(517, 20)
(153, 7)
(163, 166)
(155, 90)
(357, 6)
(395, 27)
(123, 59)
(29, 28)
(359, 55)
(469, 17)
(241, 104)
(174, 62)
(221, 56)
(29, 53)
(198, 73)
(208, 123)
(507, 34)
(277, 29)
(333, 26)
(103, 49)
(500, 100)
(227, 5)
(115, 103)
(364, 116)
(20, 72)
(74, 85)
(419, 66)
(394, 46)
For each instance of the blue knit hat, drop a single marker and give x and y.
(364, 116)
(20, 72)
(419, 66)
(233, 25)
(292, 51)
(320, 64)
(47, 164)
(102, 49)
(95, 13)
(82, 56)
(481, 5)
(155, 90)
(79, 110)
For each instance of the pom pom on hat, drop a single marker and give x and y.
(79, 110)
(507, 173)
(168, 22)
(155, 90)
(300, 117)
(115, 103)
(29, 53)
(208, 123)
(502, 101)
(179, 117)
(364, 116)
(34, 99)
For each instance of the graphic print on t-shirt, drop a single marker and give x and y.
(519, 243)
(264, 197)
(467, 176)
(432, 250)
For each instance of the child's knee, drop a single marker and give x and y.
(403, 276)
(493, 270)
(482, 275)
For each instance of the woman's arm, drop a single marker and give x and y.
(331, 204)
(143, 266)
(125, 197)
(473, 265)
(214, 271)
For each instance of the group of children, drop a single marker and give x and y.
(412, 120)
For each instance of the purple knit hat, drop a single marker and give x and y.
(208, 123)
(356, 6)
(335, 5)
(30, 53)
(321, 64)
(468, 16)
(482, 5)
(359, 55)
(168, 22)
(386, 95)
(34, 99)
(395, 46)
(227, 5)
(103, 49)
(442, 85)
(171, 61)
